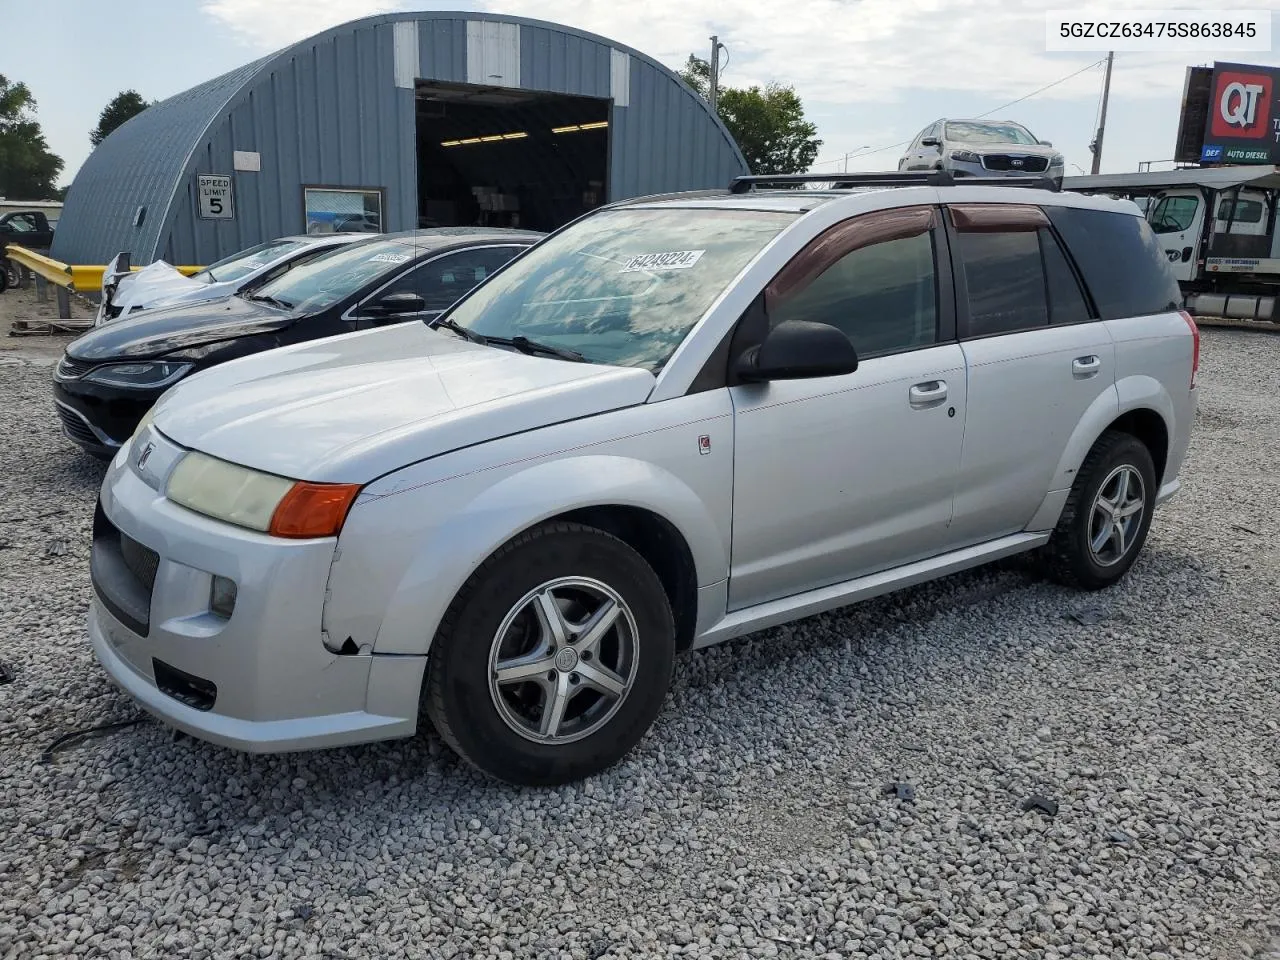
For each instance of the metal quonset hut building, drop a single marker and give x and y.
(394, 122)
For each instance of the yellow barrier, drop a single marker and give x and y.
(85, 279)
(59, 274)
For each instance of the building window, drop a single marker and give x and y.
(343, 209)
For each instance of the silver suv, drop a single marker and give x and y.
(674, 422)
(982, 148)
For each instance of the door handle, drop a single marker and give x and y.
(928, 394)
(1084, 367)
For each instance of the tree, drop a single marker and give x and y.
(122, 107)
(768, 124)
(28, 170)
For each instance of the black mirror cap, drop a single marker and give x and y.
(930, 142)
(399, 303)
(797, 350)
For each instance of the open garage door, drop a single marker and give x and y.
(497, 157)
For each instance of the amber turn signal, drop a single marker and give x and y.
(313, 510)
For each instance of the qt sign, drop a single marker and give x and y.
(1241, 105)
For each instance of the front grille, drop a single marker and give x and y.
(123, 573)
(1005, 161)
(70, 368)
(76, 427)
(143, 562)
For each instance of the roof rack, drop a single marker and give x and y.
(913, 178)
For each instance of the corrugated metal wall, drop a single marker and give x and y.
(338, 110)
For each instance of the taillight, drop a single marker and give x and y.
(1195, 346)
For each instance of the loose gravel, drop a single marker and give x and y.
(752, 821)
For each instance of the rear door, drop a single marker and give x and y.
(1036, 360)
(836, 477)
(1177, 219)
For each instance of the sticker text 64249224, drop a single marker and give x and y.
(671, 260)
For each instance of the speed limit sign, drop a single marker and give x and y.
(216, 200)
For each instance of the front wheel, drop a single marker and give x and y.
(1107, 515)
(554, 658)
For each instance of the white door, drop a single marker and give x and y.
(1036, 360)
(836, 477)
(1177, 218)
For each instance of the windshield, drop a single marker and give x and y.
(968, 132)
(332, 276)
(246, 261)
(622, 287)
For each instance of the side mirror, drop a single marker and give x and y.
(395, 304)
(930, 142)
(1045, 143)
(797, 350)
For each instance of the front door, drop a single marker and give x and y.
(837, 477)
(1177, 219)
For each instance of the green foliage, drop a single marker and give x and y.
(28, 171)
(123, 106)
(768, 124)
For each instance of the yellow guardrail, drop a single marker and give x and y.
(84, 279)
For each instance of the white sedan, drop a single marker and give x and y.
(126, 293)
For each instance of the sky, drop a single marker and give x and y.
(871, 73)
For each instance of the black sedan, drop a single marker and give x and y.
(110, 377)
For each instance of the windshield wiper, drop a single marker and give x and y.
(460, 330)
(525, 345)
(282, 304)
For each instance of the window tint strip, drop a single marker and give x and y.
(1001, 217)
(843, 238)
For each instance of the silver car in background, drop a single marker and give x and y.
(125, 292)
(982, 148)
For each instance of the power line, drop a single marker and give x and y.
(1047, 86)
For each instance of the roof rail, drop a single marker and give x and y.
(912, 178)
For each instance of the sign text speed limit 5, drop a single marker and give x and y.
(216, 201)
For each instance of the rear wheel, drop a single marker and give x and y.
(1107, 515)
(554, 658)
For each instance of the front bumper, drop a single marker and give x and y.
(261, 680)
(98, 417)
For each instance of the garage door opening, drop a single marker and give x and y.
(497, 157)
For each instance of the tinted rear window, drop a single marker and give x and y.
(1123, 265)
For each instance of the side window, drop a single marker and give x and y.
(882, 296)
(23, 224)
(1006, 281)
(1120, 261)
(443, 281)
(1246, 211)
(1174, 214)
(1067, 303)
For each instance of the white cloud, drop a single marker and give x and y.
(271, 24)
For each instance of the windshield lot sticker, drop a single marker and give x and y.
(390, 258)
(674, 260)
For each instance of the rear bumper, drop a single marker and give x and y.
(261, 680)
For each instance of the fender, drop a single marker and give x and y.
(1136, 392)
(473, 521)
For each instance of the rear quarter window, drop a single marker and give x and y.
(1121, 261)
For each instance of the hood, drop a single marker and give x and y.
(351, 408)
(150, 283)
(157, 333)
(1017, 149)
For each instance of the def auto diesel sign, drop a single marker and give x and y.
(1243, 122)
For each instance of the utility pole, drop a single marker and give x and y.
(716, 47)
(1096, 146)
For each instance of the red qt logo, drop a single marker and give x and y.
(1241, 105)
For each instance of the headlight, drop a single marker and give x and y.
(965, 156)
(149, 375)
(259, 501)
(1056, 160)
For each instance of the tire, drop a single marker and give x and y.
(501, 726)
(1069, 557)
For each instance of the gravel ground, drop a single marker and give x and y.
(752, 821)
